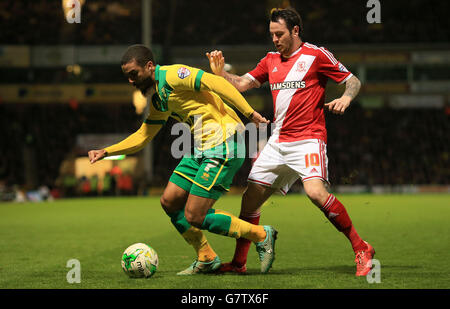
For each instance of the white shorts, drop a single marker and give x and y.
(280, 165)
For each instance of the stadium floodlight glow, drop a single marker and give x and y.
(118, 157)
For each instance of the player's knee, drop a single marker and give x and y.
(193, 218)
(317, 194)
(166, 204)
(172, 203)
(254, 196)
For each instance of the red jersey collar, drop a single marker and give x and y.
(296, 52)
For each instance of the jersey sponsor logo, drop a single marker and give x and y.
(274, 70)
(288, 85)
(183, 72)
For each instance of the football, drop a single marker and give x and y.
(139, 261)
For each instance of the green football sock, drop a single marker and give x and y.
(193, 236)
(216, 222)
(224, 223)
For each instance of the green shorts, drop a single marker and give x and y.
(210, 173)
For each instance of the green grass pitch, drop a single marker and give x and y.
(410, 234)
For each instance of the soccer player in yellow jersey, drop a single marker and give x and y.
(197, 98)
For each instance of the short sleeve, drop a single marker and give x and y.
(329, 66)
(184, 77)
(260, 72)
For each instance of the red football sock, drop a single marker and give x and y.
(336, 213)
(242, 244)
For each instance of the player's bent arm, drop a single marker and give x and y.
(352, 86)
(135, 141)
(227, 92)
(241, 83)
(339, 105)
(217, 64)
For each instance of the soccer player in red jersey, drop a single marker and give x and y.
(297, 74)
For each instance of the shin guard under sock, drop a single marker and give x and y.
(338, 216)
(193, 236)
(242, 244)
(223, 223)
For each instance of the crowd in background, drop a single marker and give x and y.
(369, 147)
(365, 146)
(199, 22)
(42, 136)
(114, 182)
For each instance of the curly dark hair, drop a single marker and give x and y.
(290, 16)
(141, 53)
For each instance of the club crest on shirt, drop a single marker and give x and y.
(301, 66)
(183, 72)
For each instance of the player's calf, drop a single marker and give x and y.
(336, 213)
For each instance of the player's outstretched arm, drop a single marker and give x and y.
(231, 95)
(258, 119)
(97, 155)
(217, 64)
(129, 145)
(338, 106)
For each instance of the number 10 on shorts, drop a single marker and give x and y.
(312, 159)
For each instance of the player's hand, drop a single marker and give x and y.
(216, 62)
(96, 155)
(338, 106)
(257, 119)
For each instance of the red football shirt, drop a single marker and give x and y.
(298, 90)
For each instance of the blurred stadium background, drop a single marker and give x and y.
(62, 91)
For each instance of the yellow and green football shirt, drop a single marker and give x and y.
(192, 96)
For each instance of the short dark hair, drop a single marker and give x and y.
(290, 16)
(141, 53)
